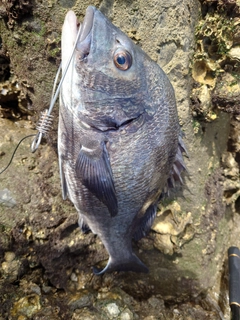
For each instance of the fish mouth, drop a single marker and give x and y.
(84, 39)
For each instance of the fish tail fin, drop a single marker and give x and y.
(133, 263)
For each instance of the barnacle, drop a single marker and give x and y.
(26, 306)
(230, 7)
(14, 103)
(234, 53)
(203, 72)
(171, 232)
(217, 58)
(15, 9)
(4, 66)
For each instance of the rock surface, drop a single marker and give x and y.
(45, 270)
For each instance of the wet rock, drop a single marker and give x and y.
(6, 198)
(26, 306)
(16, 9)
(168, 228)
(112, 310)
(215, 63)
(85, 314)
(226, 94)
(126, 315)
(80, 300)
(11, 266)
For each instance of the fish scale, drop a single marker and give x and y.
(119, 139)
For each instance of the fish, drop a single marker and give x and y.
(120, 145)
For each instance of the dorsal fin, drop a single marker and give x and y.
(177, 168)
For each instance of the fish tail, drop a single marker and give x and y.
(133, 263)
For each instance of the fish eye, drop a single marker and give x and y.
(122, 59)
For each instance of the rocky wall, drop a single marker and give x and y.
(45, 260)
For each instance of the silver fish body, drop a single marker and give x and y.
(119, 138)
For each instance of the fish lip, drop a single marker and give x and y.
(84, 40)
(87, 23)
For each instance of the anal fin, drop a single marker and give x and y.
(83, 226)
(145, 223)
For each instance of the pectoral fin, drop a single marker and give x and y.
(63, 180)
(94, 169)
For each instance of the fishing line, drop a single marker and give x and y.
(45, 121)
(36, 142)
(31, 135)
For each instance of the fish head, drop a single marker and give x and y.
(105, 48)
(106, 79)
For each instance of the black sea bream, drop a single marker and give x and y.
(119, 138)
